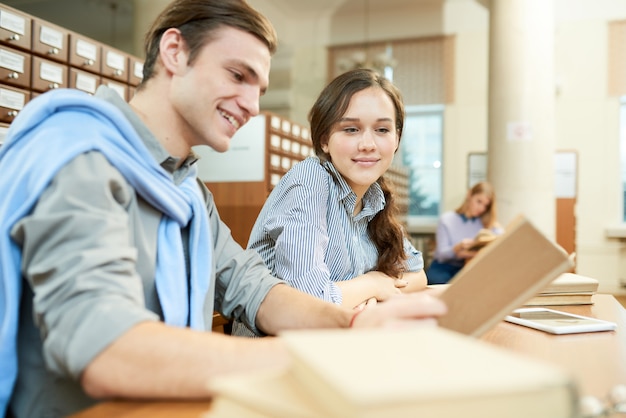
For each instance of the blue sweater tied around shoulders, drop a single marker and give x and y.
(48, 133)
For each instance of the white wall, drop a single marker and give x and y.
(587, 121)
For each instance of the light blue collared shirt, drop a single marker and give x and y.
(308, 236)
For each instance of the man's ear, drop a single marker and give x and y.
(173, 51)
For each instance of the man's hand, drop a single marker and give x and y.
(420, 308)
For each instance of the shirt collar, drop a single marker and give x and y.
(467, 219)
(373, 199)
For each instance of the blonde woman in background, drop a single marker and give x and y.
(457, 230)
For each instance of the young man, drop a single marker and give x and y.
(112, 254)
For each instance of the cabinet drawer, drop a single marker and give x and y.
(84, 53)
(83, 80)
(114, 64)
(48, 75)
(4, 127)
(12, 101)
(50, 41)
(135, 73)
(15, 28)
(15, 67)
(120, 88)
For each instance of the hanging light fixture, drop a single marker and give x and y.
(382, 62)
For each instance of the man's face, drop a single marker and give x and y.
(220, 92)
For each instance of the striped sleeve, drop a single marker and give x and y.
(415, 261)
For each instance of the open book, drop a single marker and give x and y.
(484, 237)
(502, 277)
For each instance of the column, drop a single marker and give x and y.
(521, 143)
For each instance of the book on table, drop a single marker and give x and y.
(567, 289)
(426, 372)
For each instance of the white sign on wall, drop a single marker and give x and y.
(477, 168)
(244, 161)
(565, 175)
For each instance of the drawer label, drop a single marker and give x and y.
(51, 37)
(11, 61)
(51, 72)
(12, 99)
(12, 22)
(86, 50)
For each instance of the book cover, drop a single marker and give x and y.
(502, 277)
(566, 289)
(561, 299)
(423, 372)
(571, 283)
(265, 394)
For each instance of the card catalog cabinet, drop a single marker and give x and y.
(37, 56)
(399, 178)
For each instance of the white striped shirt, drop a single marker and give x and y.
(308, 236)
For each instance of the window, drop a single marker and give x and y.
(421, 152)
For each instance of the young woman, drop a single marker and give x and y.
(456, 231)
(329, 227)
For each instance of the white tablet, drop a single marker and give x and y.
(557, 322)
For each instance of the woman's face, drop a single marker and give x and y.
(362, 144)
(477, 205)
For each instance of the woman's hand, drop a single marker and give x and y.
(379, 286)
(385, 286)
(373, 284)
(462, 249)
(400, 283)
(366, 304)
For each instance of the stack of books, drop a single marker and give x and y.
(567, 289)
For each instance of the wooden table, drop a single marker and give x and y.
(597, 361)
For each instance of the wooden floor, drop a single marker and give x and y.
(621, 299)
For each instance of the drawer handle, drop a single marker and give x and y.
(12, 113)
(14, 37)
(13, 75)
(53, 51)
(118, 72)
(53, 85)
(89, 62)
